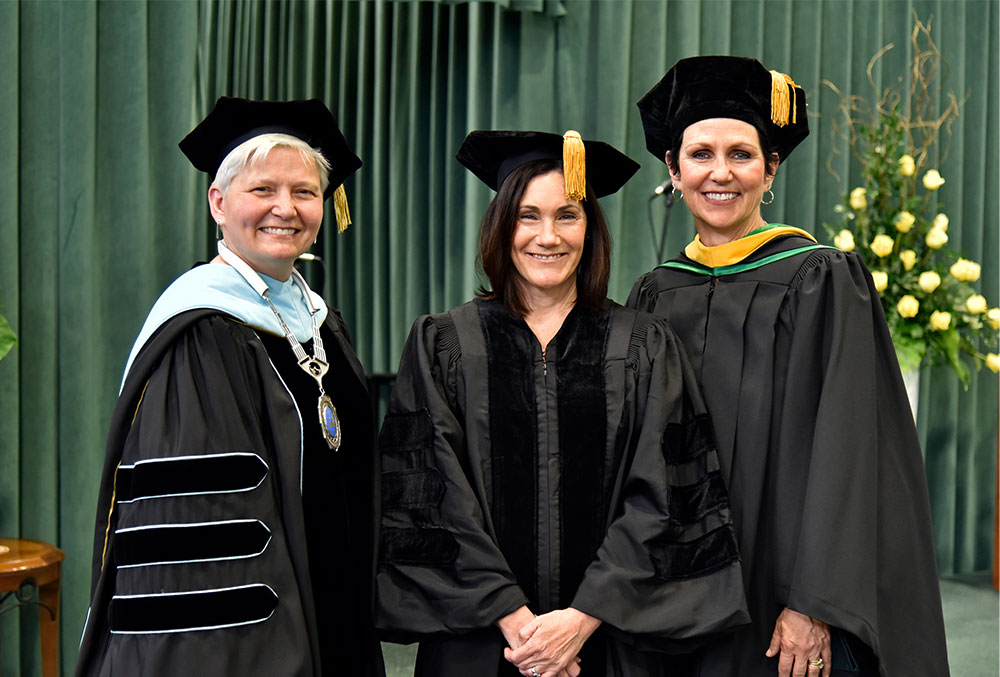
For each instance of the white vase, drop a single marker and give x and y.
(911, 380)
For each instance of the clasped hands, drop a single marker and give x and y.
(548, 643)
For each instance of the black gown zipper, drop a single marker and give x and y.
(708, 309)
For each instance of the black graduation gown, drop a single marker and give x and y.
(818, 450)
(586, 477)
(218, 486)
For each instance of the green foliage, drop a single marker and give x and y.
(7, 338)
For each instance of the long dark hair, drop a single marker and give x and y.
(496, 238)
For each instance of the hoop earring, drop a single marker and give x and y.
(677, 194)
(769, 201)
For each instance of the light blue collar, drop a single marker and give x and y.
(221, 287)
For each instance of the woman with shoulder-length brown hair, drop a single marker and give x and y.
(497, 234)
(549, 484)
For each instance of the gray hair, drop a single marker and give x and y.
(255, 150)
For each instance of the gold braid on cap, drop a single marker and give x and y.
(782, 98)
(340, 209)
(574, 165)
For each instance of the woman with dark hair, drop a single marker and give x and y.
(790, 346)
(550, 490)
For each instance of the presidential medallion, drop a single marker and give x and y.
(329, 421)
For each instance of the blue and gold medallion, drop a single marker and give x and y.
(329, 422)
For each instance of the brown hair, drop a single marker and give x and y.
(496, 238)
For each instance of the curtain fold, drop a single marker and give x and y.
(105, 210)
(99, 214)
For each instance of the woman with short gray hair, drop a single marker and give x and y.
(236, 519)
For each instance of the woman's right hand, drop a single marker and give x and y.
(511, 624)
(799, 642)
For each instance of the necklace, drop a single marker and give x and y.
(316, 365)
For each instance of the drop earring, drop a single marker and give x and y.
(218, 230)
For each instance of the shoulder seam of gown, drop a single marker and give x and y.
(447, 335)
(814, 259)
(639, 336)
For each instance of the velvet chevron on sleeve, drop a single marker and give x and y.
(221, 510)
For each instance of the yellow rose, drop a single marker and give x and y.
(940, 320)
(844, 241)
(933, 180)
(993, 317)
(965, 270)
(928, 281)
(858, 201)
(907, 306)
(907, 166)
(940, 221)
(974, 270)
(880, 279)
(904, 221)
(909, 259)
(993, 362)
(936, 238)
(976, 304)
(882, 246)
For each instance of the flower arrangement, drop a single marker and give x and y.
(900, 229)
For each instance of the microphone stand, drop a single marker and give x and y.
(660, 243)
(319, 288)
(668, 203)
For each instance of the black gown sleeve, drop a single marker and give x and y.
(200, 563)
(668, 567)
(861, 558)
(440, 571)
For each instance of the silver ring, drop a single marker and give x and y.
(534, 672)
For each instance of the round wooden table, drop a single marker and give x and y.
(38, 563)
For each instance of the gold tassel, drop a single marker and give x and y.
(782, 99)
(574, 165)
(340, 209)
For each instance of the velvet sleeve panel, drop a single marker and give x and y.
(440, 570)
(668, 567)
(862, 557)
(200, 398)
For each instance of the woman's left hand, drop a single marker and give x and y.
(799, 641)
(552, 642)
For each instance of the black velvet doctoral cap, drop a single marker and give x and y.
(233, 121)
(493, 155)
(703, 87)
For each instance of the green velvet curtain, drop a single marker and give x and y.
(102, 210)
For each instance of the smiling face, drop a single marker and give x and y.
(271, 212)
(548, 239)
(720, 170)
